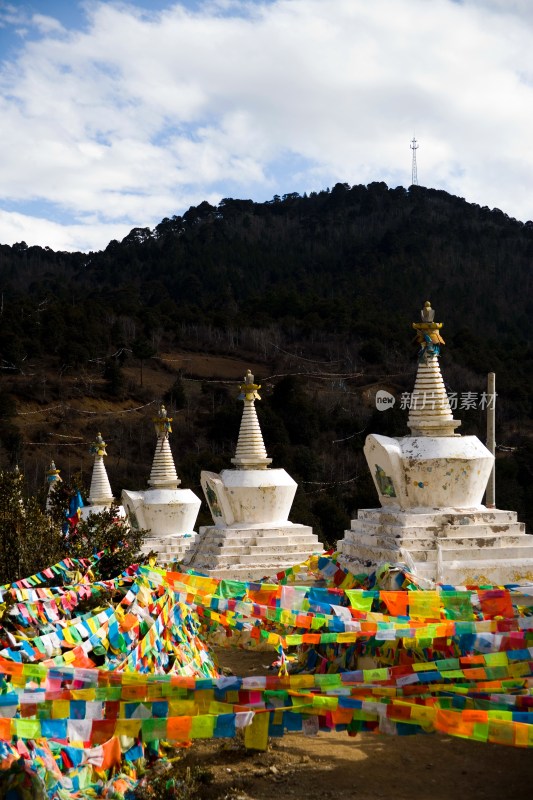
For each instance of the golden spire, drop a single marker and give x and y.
(428, 333)
(162, 423)
(249, 389)
(430, 413)
(250, 452)
(98, 447)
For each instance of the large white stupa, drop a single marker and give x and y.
(251, 536)
(431, 486)
(167, 512)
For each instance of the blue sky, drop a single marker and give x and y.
(114, 115)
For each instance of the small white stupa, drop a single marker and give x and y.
(100, 494)
(431, 486)
(167, 512)
(52, 479)
(251, 537)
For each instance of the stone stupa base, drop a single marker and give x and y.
(452, 546)
(170, 549)
(169, 516)
(252, 552)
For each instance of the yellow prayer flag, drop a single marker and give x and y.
(422, 713)
(256, 734)
(27, 728)
(69, 657)
(302, 681)
(379, 674)
(425, 605)
(501, 731)
(60, 709)
(323, 703)
(358, 601)
(496, 659)
(203, 726)
(128, 727)
(519, 669)
(347, 636)
(182, 708)
(83, 694)
(523, 735)
(217, 707)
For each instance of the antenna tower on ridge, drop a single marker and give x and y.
(414, 147)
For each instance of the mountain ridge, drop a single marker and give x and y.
(327, 283)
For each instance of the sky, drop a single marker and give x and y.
(115, 115)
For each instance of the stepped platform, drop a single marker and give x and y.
(454, 546)
(170, 549)
(250, 553)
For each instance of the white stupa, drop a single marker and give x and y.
(167, 512)
(431, 486)
(100, 494)
(251, 536)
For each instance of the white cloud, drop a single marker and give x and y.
(47, 25)
(141, 113)
(15, 227)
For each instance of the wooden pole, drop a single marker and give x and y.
(490, 498)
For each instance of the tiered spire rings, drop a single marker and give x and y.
(163, 474)
(430, 413)
(250, 452)
(100, 491)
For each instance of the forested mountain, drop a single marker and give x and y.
(321, 289)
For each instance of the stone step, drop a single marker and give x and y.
(246, 573)
(453, 517)
(486, 542)
(443, 532)
(170, 558)
(170, 549)
(213, 545)
(479, 531)
(482, 554)
(169, 541)
(468, 543)
(461, 573)
(500, 554)
(237, 553)
(259, 532)
(371, 554)
(243, 552)
(172, 552)
(254, 557)
(229, 567)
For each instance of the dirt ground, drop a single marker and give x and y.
(334, 765)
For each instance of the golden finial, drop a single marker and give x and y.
(97, 448)
(53, 473)
(428, 333)
(249, 389)
(162, 423)
(427, 314)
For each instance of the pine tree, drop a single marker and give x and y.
(29, 540)
(106, 532)
(102, 532)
